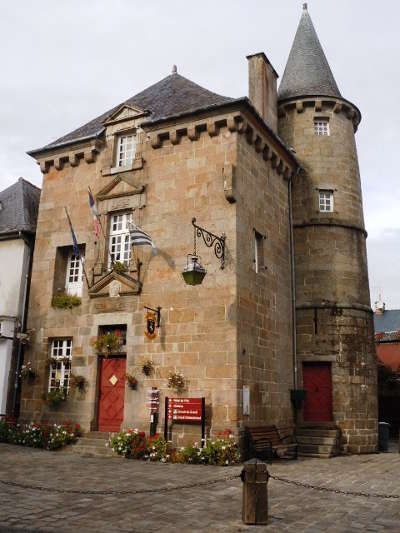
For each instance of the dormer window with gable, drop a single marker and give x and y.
(126, 150)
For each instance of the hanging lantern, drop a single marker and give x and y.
(194, 272)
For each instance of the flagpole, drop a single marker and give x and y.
(76, 247)
(102, 230)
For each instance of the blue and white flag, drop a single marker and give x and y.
(140, 237)
(74, 241)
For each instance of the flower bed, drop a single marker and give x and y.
(48, 437)
(222, 450)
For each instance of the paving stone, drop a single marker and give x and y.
(212, 508)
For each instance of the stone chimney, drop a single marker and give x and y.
(262, 88)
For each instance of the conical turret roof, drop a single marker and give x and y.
(307, 71)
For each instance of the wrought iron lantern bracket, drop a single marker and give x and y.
(211, 241)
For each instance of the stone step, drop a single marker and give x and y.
(91, 451)
(317, 448)
(97, 435)
(316, 439)
(316, 455)
(317, 432)
(90, 441)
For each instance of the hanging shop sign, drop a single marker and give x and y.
(185, 411)
(153, 318)
(150, 330)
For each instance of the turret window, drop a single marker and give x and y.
(325, 201)
(321, 126)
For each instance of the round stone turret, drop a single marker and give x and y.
(334, 321)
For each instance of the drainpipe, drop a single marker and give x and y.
(293, 283)
(30, 244)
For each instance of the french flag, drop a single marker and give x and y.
(95, 213)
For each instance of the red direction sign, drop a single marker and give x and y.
(185, 410)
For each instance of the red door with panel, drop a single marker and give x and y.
(317, 382)
(112, 394)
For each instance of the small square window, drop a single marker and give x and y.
(126, 150)
(325, 201)
(258, 261)
(321, 126)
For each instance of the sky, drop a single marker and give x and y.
(63, 63)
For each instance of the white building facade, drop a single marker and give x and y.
(18, 215)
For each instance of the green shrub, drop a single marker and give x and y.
(119, 267)
(131, 443)
(60, 435)
(221, 451)
(65, 301)
(158, 449)
(39, 435)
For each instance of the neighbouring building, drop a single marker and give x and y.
(387, 341)
(19, 205)
(275, 173)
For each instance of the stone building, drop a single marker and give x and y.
(177, 151)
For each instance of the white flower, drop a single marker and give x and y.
(163, 460)
(227, 462)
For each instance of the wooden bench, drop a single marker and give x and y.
(268, 442)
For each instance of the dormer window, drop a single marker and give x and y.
(321, 126)
(126, 150)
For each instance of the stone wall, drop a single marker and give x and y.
(264, 298)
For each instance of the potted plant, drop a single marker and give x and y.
(147, 367)
(119, 267)
(108, 343)
(131, 380)
(27, 373)
(55, 397)
(78, 382)
(176, 381)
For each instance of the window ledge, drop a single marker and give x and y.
(137, 164)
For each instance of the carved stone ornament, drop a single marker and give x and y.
(114, 289)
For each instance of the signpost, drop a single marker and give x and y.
(153, 405)
(185, 411)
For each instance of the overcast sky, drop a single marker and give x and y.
(65, 62)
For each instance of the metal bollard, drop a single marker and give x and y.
(255, 494)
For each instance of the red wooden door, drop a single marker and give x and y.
(112, 393)
(318, 384)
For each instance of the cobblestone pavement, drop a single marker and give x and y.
(214, 507)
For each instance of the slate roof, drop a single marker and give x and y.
(19, 205)
(387, 321)
(171, 96)
(307, 71)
